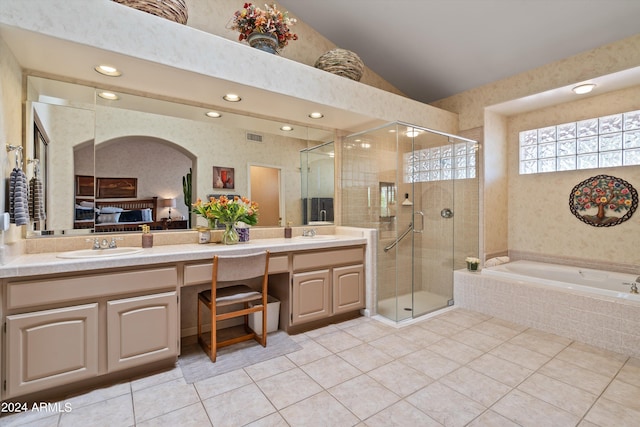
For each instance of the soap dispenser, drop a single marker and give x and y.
(147, 237)
(287, 231)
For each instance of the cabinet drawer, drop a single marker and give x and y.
(324, 259)
(51, 291)
(196, 274)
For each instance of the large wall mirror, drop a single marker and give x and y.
(127, 158)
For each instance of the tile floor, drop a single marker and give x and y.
(460, 368)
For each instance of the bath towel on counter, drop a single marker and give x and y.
(18, 198)
(36, 201)
(496, 261)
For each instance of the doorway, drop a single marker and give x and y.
(264, 189)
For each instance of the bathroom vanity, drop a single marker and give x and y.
(69, 322)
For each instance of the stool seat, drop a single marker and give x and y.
(225, 291)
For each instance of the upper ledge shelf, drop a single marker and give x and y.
(159, 57)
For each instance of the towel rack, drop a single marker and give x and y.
(36, 166)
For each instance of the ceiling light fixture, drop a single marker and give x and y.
(584, 88)
(213, 114)
(316, 115)
(108, 96)
(108, 70)
(286, 128)
(232, 97)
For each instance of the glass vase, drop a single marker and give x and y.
(230, 234)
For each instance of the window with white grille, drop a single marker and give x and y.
(603, 142)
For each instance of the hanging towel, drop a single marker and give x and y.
(36, 201)
(18, 198)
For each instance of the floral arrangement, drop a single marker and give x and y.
(472, 263)
(252, 19)
(227, 210)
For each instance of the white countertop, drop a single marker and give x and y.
(49, 263)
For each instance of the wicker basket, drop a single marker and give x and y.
(173, 10)
(341, 62)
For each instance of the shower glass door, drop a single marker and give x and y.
(402, 181)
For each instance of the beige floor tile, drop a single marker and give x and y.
(29, 418)
(419, 335)
(396, 346)
(491, 419)
(630, 372)
(569, 373)
(520, 356)
(558, 393)
(441, 327)
(222, 383)
(337, 341)
(539, 344)
(321, 410)
(238, 407)
(311, 351)
(445, 405)
(606, 413)
(500, 369)
(288, 387)
(597, 360)
(155, 379)
(461, 318)
(189, 416)
(363, 396)
(624, 394)
(98, 395)
(365, 357)
(165, 397)
(273, 420)
(430, 363)
(115, 412)
(479, 387)
(269, 367)
(585, 423)
(315, 333)
(331, 371)
(529, 411)
(480, 341)
(495, 330)
(401, 414)
(369, 331)
(400, 378)
(507, 324)
(455, 350)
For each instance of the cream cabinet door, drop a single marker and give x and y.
(141, 330)
(50, 348)
(310, 296)
(348, 288)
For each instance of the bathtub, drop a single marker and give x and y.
(568, 277)
(585, 305)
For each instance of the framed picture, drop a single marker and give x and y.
(117, 188)
(223, 177)
(84, 185)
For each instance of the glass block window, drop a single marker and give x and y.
(457, 161)
(603, 142)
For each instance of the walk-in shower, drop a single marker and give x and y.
(419, 189)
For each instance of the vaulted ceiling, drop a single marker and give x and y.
(431, 49)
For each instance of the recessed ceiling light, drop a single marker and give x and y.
(232, 97)
(316, 115)
(582, 89)
(108, 70)
(108, 95)
(286, 128)
(213, 114)
(412, 133)
(365, 145)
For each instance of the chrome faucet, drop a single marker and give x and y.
(308, 232)
(323, 215)
(95, 244)
(634, 286)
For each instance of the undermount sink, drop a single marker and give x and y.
(100, 253)
(317, 237)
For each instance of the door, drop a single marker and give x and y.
(265, 190)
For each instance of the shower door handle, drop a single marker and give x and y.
(421, 221)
